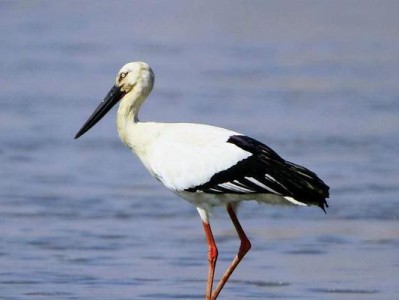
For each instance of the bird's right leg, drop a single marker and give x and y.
(212, 258)
(212, 253)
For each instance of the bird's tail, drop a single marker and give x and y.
(310, 188)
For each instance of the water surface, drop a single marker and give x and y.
(316, 81)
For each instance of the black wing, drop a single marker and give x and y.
(267, 173)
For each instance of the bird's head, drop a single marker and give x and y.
(134, 78)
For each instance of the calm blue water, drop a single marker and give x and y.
(316, 81)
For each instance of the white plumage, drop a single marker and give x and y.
(186, 155)
(205, 165)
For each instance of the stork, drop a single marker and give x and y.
(206, 165)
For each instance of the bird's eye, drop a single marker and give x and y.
(123, 75)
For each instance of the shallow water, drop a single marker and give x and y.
(316, 81)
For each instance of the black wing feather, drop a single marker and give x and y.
(266, 172)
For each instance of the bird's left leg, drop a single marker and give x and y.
(244, 248)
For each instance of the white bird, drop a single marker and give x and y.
(206, 165)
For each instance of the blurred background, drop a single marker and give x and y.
(318, 81)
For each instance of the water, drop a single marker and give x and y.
(317, 81)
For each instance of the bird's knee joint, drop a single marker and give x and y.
(245, 246)
(212, 254)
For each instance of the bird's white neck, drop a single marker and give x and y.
(127, 116)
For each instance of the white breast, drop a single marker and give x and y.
(183, 155)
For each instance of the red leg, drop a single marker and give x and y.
(212, 258)
(244, 248)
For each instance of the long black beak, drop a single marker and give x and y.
(113, 97)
